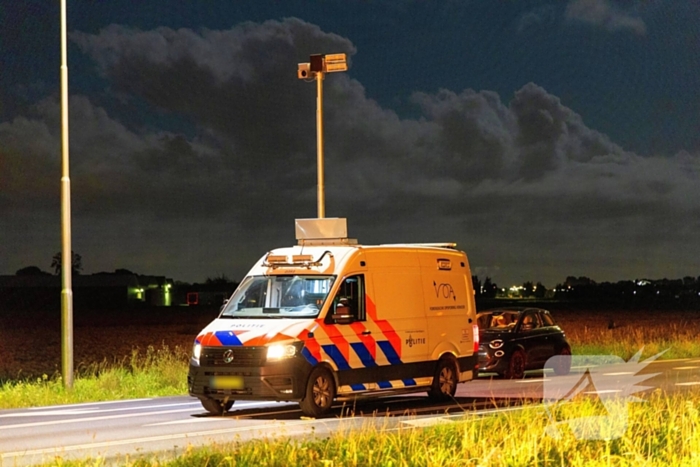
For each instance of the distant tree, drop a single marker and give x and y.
(528, 289)
(489, 288)
(124, 272)
(219, 280)
(540, 290)
(31, 271)
(476, 283)
(76, 263)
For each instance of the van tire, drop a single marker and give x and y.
(216, 407)
(320, 393)
(445, 380)
(516, 365)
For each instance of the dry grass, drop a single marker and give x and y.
(624, 332)
(31, 346)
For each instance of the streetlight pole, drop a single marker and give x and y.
(319, 145)
(316, 69)
(67, 252)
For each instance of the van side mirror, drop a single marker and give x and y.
(343, 317)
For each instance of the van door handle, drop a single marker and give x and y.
(366, 333)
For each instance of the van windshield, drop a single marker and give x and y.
(288, 296)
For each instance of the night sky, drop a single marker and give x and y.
(547, 138)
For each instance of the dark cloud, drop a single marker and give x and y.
(537, 18)
(520, 182)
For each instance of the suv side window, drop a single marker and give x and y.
(530, 321)
(547, 319)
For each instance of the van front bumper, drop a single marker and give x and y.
(247, 379)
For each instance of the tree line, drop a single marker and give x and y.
(684, 291)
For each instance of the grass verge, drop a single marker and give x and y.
(663, 431)
(157, 372)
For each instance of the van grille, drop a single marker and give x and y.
(242, 356)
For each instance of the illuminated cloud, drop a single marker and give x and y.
(602, 13)
(204, 142)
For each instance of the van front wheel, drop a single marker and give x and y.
(216, 407)
(320, 392)
(445, 381)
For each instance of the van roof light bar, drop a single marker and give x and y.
(298, 261)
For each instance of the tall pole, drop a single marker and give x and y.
(67, 252)
(317, 68)
(319, 143)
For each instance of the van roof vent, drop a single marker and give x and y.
(324, 231)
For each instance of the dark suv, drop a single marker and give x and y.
(513, 340)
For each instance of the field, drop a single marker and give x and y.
(30, 345)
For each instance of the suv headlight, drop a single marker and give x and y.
(496, 344)
(281, 351)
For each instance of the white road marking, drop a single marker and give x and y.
(689, 383)
(86, 419)
(686, 367)
(190, 421)
(89, 410)
(122, 442)
(225, 418)
(51, 412)
(147, 439)
(670, 360)
(82, 404)
(531, 380)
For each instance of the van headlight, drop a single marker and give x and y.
(281, 351)
(196, 351)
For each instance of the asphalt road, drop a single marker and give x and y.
(168, 425)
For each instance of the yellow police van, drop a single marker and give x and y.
(330, 319)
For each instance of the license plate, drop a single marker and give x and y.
(226, 382)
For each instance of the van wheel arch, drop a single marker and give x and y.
(320, 391)
(445, 379)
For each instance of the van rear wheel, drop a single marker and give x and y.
(216, 407)
(320, 392)
(445, 381)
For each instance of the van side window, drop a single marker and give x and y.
(350, 299)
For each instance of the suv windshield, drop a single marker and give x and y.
(290, 296)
